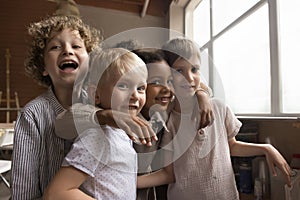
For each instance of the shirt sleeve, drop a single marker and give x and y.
(70, 123)
(232, 124)
(89, 152)
(25, 165)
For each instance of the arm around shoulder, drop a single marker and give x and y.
(70, 123)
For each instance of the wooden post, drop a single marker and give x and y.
(7, 56)
(9, 108)
(17, 101)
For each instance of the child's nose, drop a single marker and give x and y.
(166, 86)
(134, 95)
(189, 77)
(68, 50)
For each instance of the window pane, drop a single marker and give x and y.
(242, 59)
(201, 23)
(225, 12)
(289, 54)
(204, 69)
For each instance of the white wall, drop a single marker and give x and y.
(119, 25)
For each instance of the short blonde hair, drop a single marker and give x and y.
(104, 61)
(180, 48)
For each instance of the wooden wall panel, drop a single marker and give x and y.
(15, 16)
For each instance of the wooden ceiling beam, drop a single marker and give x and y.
(155, 7)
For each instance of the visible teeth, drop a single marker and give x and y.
(132, 107)
(66, 63)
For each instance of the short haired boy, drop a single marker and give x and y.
(198, 162)
(102, 160)
(58, 53)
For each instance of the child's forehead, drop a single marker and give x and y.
(67, 31)
(133, 71)
(132, 74)
(193, 60)
(158, 69)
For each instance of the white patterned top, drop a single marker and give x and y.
(109, 159)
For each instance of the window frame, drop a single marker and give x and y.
(276, 85)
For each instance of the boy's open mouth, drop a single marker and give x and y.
(68, 66)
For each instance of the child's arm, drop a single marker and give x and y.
(205, 108)
(135, 127)
(160, 177)
(273, 157)
(65, 185)
(80, 117)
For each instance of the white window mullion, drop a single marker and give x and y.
(276, 103)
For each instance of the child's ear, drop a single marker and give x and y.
(93, 94)
(45, 73)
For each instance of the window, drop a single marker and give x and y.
(252, 47)
(289, 30)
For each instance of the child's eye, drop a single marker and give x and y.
(195, 69)
(170, 82)
(179, 70)
(155, 82)
(141, 89)
(122, 86)
(76, 46)
(55, 47)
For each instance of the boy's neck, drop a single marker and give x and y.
(64, 96)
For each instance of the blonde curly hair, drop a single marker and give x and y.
(40, 33)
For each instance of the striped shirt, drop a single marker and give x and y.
(38, 153)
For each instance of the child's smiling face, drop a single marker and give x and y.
(160, 88)
(186, 75)
(125, 93)
(65, 57)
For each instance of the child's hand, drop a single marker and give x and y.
(274, 158)
(205, 109)
(138, 129)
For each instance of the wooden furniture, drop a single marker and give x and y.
(9, 108)
(6, 143)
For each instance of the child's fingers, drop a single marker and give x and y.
(146, 133)
(132, 129)
(272, 169)
(205, 119)
(138, 129)
(287, 173)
